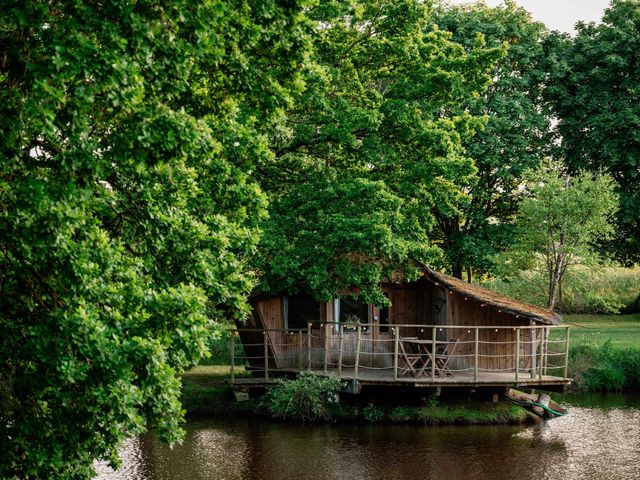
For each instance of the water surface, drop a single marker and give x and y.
(599, 439)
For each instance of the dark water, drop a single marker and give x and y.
(598, 439)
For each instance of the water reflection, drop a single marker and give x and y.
(591, 443)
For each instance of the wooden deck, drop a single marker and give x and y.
(371, 377)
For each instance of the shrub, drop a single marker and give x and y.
(605, 367)
(309, 397)
(372, 414)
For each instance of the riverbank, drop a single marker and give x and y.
(604, 353)
(206, 394)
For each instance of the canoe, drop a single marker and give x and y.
(539, 403)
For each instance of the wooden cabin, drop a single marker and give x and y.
(437, 330)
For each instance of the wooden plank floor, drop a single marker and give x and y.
(458, 379)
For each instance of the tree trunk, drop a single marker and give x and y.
(456, 270)
(469, 276)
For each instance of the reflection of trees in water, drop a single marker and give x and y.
(589, 443)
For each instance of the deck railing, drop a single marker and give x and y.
(426, 352)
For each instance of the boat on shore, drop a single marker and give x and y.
(540, 404)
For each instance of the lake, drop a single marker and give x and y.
(598, 439)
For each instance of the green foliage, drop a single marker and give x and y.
(370, 150)
(127, 213)
(594, 88)
(559, 222)
(218, 346)
(514, 139)
(308, 398)
(605, 367)
(372, 413)
(585, 289)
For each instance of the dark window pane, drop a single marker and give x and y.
(353, 312)
(302, 310)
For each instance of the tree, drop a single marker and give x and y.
(374, 143)
(127, 214)
(514, 139)
(559, 223)
(594, 88)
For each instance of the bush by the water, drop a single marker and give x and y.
(309, 397)
(605, 367)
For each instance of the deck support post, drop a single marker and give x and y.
(300, 351)
(326, 348)
(266, 355)
(340, 340)
(395, 353)
(358, 342)
(232, 351)
(309, 346)
(566, 352)
(434, 346)
(476, 352)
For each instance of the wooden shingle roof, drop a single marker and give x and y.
(497, 300)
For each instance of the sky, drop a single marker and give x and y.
(558, 14)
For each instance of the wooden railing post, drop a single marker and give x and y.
(533, 351)
(326, 348)
(434, 346)
(542, 343)
(476, 352)
(395, 353)
(340, 342)
(517, 353)
(232, 354)
(300, 350)
(358, 341)
(566, 353)
(266, 356)
(545, 359)
(309, 346)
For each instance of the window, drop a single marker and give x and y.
(299, 310)
(351, 312)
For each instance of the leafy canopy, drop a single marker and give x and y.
(595, 90)
(514, 139)
(370, 149)
(127, 213)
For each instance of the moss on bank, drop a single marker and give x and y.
(206, 394)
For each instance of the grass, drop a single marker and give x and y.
(204, 391)
(620, 330)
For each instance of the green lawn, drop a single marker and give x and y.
(622, 330)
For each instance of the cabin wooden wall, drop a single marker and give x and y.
(499, 355)
(417, 303)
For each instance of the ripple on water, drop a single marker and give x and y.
(589, 443)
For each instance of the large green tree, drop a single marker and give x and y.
(127, 214)
(370, 149)
(514, 139)
(596, 91)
